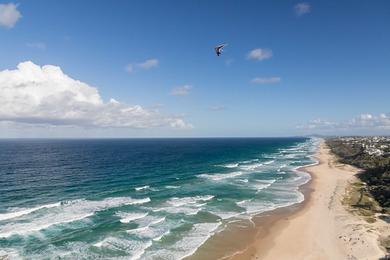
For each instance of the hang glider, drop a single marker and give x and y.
(218, 49)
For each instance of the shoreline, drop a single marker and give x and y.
(320, 227)
(269, 222)
(259, 227)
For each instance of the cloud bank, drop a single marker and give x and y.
(259, 54)
(361, 123)
(44, 95)
(9, 15)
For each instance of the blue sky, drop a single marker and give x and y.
(329, 65)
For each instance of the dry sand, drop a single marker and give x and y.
(322, 228)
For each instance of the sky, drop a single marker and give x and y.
(148, 68)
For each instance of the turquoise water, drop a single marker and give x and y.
(139, 198)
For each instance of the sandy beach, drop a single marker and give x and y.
(322, 228)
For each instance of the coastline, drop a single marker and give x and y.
(238, 239)
(318, 228)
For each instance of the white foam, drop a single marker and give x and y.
(262, 184)
(161, 236)
(128, 217)
(230, 165)
(138, 230)
(19, 213)
(251, 167)
(239, 203)
(185, 205)
(134, 249)
(140, 201)
(157, 221)
(172, 187)
(138, 254)
(178, 202)
(65, 213)
(150, 228)
(256, 207)
(220, 176)
(142, 188)
(269, 162)
(250, 161)
(191, 210)
(188, 244)
(225, 214)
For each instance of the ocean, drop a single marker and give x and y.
(139, 198)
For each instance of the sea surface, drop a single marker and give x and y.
(139, 198)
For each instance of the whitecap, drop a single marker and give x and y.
(150, 228)
(134, 249)
(171, 187)
(161, 236)
(188, 245)
(269, 162)
(184, 205)
(128, 217)
(177, 202)
(220, 176)
(157, 221)
(230, 165)
(262, 184)
(251, 167)
(69, 211)
(142, 188)
(21, 212)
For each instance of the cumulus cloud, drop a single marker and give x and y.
(259, 54)
(181, 90)
(9, 15)
(145, 65)
(367, 122)
(302, 8)
(44, 95)
(37, 45)
(266, 80)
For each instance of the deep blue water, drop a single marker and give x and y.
(138, 198)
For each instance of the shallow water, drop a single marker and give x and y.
(139, 198)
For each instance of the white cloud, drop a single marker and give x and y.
(363, 122)
(36, 45)
(145, 65)
(181, 90)
(44, 95)
(148, 64)
(259, 54)
(302, 8)
(266, 80)
(9, 15)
